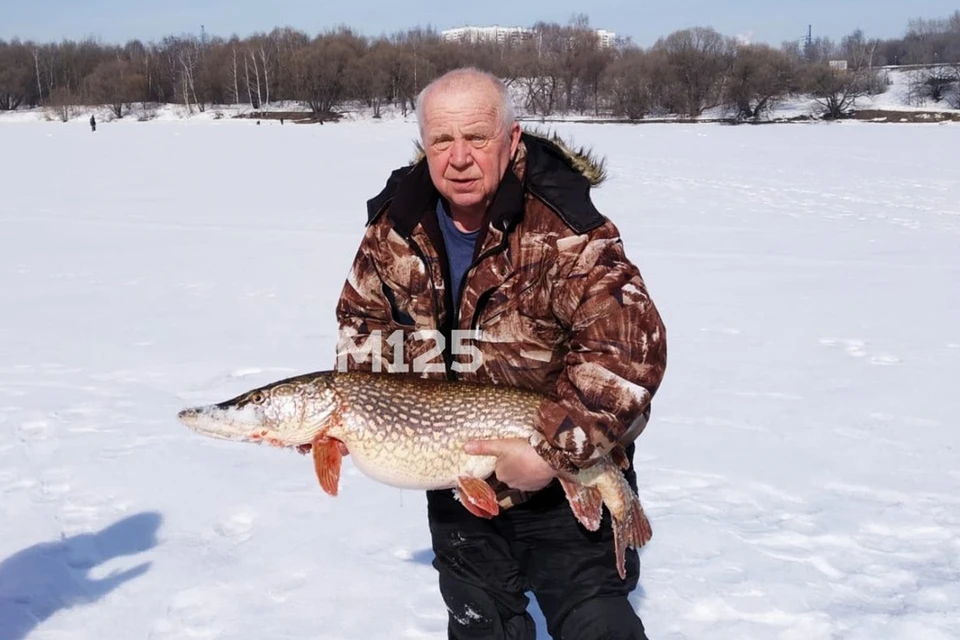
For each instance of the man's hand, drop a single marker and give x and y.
(518, 464)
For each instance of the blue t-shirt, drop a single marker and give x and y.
(459, 246)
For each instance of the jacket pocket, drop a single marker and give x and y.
(398, 315)
(502, 300)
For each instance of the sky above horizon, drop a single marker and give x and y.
(117, 21)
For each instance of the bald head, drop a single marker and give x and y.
(469, 80)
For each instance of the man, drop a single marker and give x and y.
(493, 231)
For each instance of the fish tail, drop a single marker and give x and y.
(631, 528)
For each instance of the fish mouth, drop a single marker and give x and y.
(211, 422)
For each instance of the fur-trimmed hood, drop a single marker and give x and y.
(583, 160)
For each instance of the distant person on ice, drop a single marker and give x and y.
(494, 229)
(93, 123)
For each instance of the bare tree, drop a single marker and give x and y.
(215, 77)
(933, 41)
(953, 96)
(285, 42)
(261, 52)
(181, 64)
(36, 67)
(371, 78)
(61, 103)
(147, 62)
(838, 90)
(759, 78)
(187, 62)
(820, 50)
(935, 83)
(553, 72)
(589, 62)
(698, 60)
(16, 74)
(322, 70)
(256, 76)
(235, 76)
(419, 58)
(859, 51)
(631, 81)
(117, 84)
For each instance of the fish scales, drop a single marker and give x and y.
(410, 432)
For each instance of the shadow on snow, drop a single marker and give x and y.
(39, 581)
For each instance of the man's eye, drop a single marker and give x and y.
(441, 145)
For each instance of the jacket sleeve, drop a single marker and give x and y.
(363, 312)
(617, 352)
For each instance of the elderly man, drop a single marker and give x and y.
(489, 257)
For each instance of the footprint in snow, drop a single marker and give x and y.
(14, 481)
(33, 430)
(856, 348)
(55, 484)
(193, 613)
(237, 527)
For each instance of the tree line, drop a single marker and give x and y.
(558, 69)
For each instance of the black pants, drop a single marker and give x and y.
(487, 566)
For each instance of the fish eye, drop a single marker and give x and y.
(258, 397)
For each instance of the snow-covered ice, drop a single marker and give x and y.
(801, 470)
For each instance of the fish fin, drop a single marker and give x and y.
(477, 496)
(630, 528)
(326, 462)
(619, 457)
(585, 502)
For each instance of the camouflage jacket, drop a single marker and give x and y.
(558, 306)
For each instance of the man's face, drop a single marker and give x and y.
(467, 145)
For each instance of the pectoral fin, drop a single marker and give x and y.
(326, 463)
(478, 497)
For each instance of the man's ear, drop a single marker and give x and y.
(514, 138)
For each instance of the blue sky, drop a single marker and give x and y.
(774, 22)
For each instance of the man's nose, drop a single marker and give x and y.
(460, 153)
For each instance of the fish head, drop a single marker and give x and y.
(288, 413)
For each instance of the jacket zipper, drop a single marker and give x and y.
(483, 297)
(447, 359)
(447, 354)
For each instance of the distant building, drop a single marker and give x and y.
(607, 38)
(512, 35)
(500, 35)
(838, 65)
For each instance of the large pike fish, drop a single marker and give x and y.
(410, 432)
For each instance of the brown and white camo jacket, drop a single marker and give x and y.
(559, 307)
